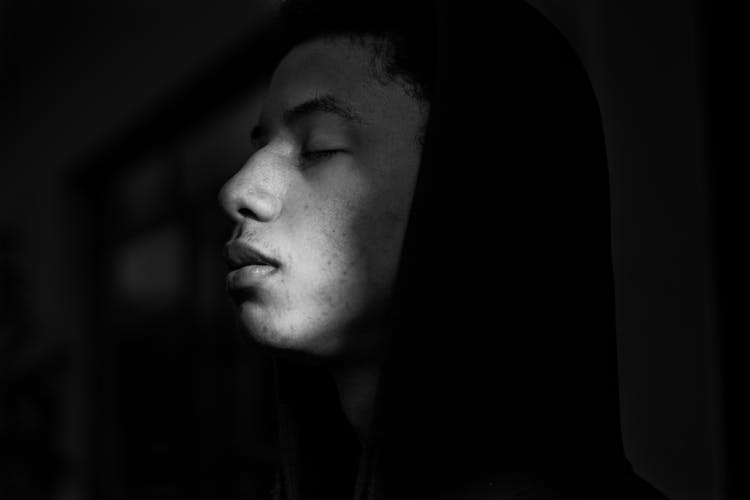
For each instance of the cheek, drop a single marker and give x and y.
(348, 235)
(379, 232)
(382, 217)
(382, 237)
(327, 253)
(354, 251)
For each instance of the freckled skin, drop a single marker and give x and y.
(336, 226)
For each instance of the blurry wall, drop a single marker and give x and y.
(641, 58)
(75, 76)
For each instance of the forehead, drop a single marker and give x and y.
(324, 60)
(339, 67)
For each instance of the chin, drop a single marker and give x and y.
(283, 335)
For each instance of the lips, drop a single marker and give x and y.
(239, 255)
(249, 271)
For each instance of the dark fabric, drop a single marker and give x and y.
(501, 380)
(320, 449)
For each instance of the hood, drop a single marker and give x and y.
(501, 376)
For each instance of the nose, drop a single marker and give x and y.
(247, 196)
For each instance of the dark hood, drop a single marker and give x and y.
(502, 373)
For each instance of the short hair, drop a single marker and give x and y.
(401, 35)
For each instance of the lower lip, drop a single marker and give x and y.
(249, 276)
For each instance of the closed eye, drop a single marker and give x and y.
(317, 155)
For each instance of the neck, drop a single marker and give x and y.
(357, 386)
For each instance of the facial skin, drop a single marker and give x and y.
(326, 195)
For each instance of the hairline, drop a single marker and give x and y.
(383, 66)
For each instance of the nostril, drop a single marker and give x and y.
(245, 212)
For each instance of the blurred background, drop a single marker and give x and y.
(121, 373)
(122, 376)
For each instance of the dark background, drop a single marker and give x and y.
(120, 369)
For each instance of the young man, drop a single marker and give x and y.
(408, 260)
(321, 208)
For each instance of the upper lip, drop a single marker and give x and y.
(239, 255)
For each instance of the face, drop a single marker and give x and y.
(321, 206)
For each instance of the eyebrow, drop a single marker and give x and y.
(321, 104)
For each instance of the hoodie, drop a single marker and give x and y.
(501, 375)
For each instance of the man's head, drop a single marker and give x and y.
(324, 200)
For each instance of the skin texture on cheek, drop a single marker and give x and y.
(336, 272)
